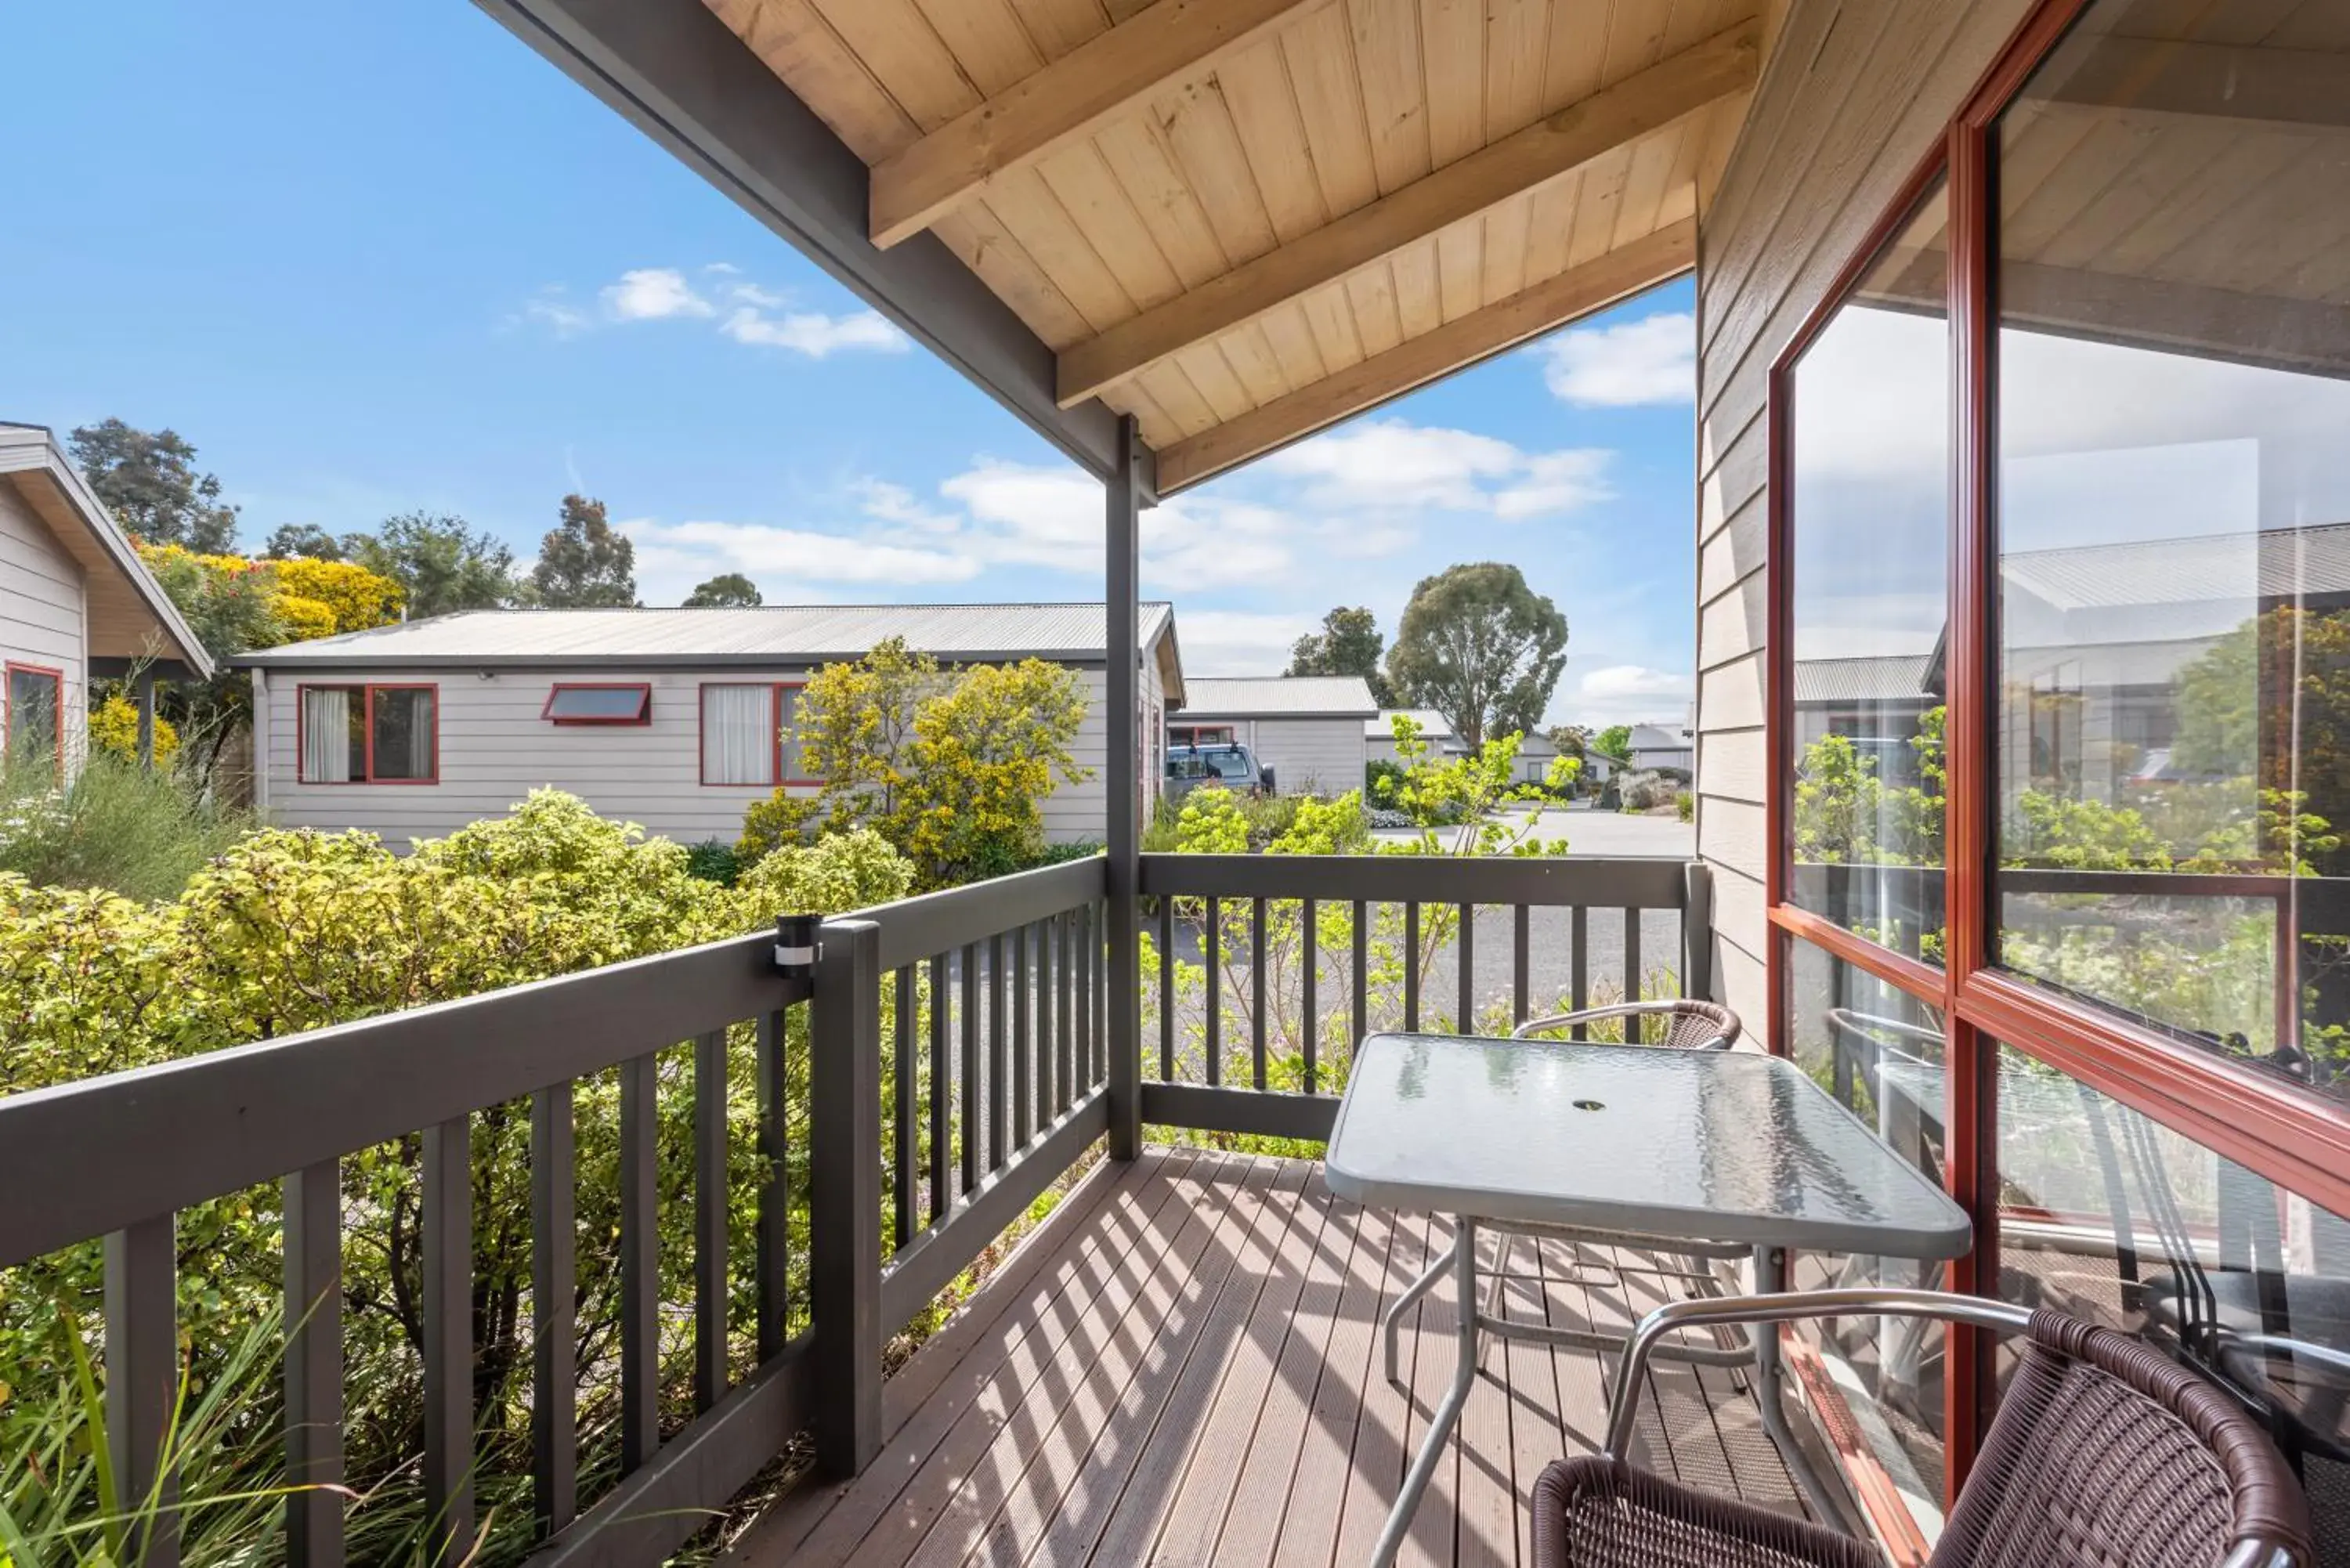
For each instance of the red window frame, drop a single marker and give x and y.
(56, 678)
(2292, 1140)
(367, 688)
(1194, 732)
(644, 709)
(774, 779)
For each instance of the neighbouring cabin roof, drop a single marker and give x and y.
(2269, 563)
(1878, 678)
(770, 634)
(1658, 738)
(1432, 723)
(131, 617)
(1280, 697)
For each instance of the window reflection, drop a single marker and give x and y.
(2173, 697)
(1870, 511)
(2106, 1216)
(1879, 1052)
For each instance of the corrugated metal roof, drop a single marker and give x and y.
(1432, 723)
(2276, 563)
(798, 633)
(1878, 678)
(1292, 695)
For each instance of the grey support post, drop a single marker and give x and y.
(1123, 779)
(845, 1196)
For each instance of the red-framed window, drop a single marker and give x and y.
(2060, 872)
(35, 717)
(588, 702)
(376, 733)
(1200, 734)
(749, 734)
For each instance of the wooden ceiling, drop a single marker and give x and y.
(1242, 221)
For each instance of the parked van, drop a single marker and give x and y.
(1232, 767)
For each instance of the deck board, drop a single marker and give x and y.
(1184, 1367)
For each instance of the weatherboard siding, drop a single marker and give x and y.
(494, 749)
(43, 619)
(1312, 756)
(1855, 95)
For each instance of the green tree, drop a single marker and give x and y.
(728, 590)
(1348, 644)
(1614, 741)
(306, 540)
(444, 566)
(2271, 703)
(584, 563)
(149, 481)
(1480, 647)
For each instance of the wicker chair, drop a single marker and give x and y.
(2105, 1454)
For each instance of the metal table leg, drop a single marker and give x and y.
(1391, 1321)
(1769, 1278)
(1448, 1414)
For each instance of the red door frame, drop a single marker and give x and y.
(2289, 1137)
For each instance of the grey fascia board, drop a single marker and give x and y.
(288, 658)
(1208, 715)
(680, 75)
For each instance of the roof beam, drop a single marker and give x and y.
(1164, 46)
(1415, 362)
(680, 74)
(1587, 129)
(2226, 81)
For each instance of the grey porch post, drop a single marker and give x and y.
(145, 686)
(1123, 790)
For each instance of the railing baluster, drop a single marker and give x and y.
(1362, 977)
(1578, 941)
(1081, 931)
(1521, 963)
(999, 1063)
(941, 1094)
(639, 1263)
(1047, 1022)
(1467, 1022)
(1064, 1058)
(1211, 945)
(904, 1119)
(1166, 988)
(314, 1365)
(554, 1285)
(448, 1224)
(1024, 1037)
(142, 1382)
(1256, 989)
(775, 1233)
(1100, 950)
(1412, 965)
(968, 1005)
(709, 1219)
(1308, 963)
(1631, 972)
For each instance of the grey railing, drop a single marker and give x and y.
(927, 1136)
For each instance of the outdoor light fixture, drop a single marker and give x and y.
(795, 945)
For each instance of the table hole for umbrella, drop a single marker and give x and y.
(1590, 1106)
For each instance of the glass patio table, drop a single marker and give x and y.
(1698, 1146)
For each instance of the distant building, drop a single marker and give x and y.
(1378, 733)
(1308, 728)
(1662, 745)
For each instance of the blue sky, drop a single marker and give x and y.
(372, 259)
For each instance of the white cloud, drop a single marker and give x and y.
(813, 333)
(1626, 694)
(653, 294)
(788, 564)
(551, 310)
(1652, 360)
(1391, 467)
(1555, 481)
(1238, 642)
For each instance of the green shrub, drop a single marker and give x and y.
(713, 860)
(1383, 781)
(119, 826)
(1685, 806)
(1062, 854)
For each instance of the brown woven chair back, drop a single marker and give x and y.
(2107, 1455)
(1697, 1024)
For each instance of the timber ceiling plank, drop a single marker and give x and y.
(1578, 135)
(1062, 103)
(1420, 360)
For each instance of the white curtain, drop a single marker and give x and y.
(738, 734)
(326, 735)
(421, 727)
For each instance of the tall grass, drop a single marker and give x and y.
(118, 825)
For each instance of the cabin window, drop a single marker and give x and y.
(1199, 735)
(370, 734)
(748, 734)
(599, 705)
(1869, 519)
(35, 717)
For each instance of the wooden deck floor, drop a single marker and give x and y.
(1182, 1368)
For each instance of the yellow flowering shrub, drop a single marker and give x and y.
(114, 727)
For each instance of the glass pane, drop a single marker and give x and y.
(2110, 1216)
(2173, 706)
(1879, 1052)
(608, 704)
(32, 719)
(1870, 514)
(404, 733)
(738, 735)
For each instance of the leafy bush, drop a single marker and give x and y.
(1381, 780)
(713, 860)
(114, 729)
(1062, 854)
(118, 827)
(1685, 806)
